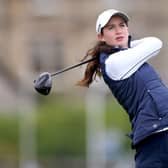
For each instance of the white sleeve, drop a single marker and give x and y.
(123, 64)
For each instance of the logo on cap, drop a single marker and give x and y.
(99, 28)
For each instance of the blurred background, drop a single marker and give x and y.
(73, 126)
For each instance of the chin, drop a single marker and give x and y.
(123, 45)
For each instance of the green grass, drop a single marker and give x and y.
(8, 135)
(61, 126)
(116, 117)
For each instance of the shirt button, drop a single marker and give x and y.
(148, 90)
(160, 118)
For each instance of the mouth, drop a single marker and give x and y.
(120, 38)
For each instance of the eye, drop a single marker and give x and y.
(110, 27)
(122, 25)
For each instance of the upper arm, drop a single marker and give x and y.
(122, 64)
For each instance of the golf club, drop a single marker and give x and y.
(43, 83)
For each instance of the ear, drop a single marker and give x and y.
(100, 37)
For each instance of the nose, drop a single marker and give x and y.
(118, 30)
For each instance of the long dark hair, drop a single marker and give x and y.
(93, 68)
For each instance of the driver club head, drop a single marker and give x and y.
(43, 83)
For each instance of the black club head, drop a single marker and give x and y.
(43, 83)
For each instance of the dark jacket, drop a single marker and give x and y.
(144, 97)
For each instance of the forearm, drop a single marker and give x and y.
(123, 64)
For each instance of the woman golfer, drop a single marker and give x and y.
(134, 83)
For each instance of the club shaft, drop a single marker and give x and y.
(72, 67)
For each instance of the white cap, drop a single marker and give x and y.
(105, 16)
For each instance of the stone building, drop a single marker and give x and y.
(47, 35)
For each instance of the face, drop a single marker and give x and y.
(115, 33)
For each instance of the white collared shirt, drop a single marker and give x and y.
(123, 64)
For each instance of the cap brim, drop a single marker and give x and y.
(105, 17)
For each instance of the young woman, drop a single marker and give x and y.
(134, 83)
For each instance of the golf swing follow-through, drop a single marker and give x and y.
(123, 64)
(43, 83)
